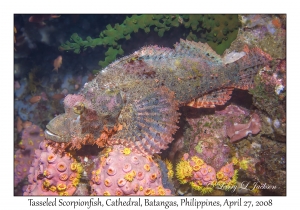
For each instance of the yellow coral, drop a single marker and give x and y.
(197, 160)
(256, 191)
(126, 151)
(196, 167)
(202, 189)
(61, 187)
(106, 151)
(235, 176)
(214, 183)
(160, 187)
(78, 176)
(98, 171)
(73, 166)
(235, 161)
(161, 192)
(196, 185)
(149, 158)
(76, 167)
(148, 191)
(46, 183)
(183, 171)
(231, 183)
(221, 183)
(130, 176)
(106, 193)
(52, 188)
(206, 190)
(46, 173)
(65, 193)
(75, 182)
(79, 168)
(147, 167)
(152, 192)
(244, 164)
(170, 169)
(220, 175)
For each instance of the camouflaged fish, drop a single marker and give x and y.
(134, 101)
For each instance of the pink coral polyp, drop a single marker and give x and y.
(133, 176)
(31, 188)
(61, 166)
(108, 160)
(121, 158)
(48, 178)
(121, 182)
(72, 176)
(204, 170)
(49, 173)
(51, 158)
(111, 171)
(119, 192)
(127, 189)
(96, 180)
(127, 167)
(134, 160)
(140, 175)
(153, 177)
(207, 178)
(107, 182)
(63, 176)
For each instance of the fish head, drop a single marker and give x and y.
(88, 113)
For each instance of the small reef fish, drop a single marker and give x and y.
(35, 99)
(15, 31)
(135, 100)
(57, 63)
(41, 18)
(22, 125)
(180, 20)
(58, 96)
(17, 85)
(19, 125)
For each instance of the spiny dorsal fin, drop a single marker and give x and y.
(202, 50)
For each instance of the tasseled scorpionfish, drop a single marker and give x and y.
(135, 100)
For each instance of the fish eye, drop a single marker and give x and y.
(79, 108)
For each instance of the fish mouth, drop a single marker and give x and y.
(52, 136)
(58, 129)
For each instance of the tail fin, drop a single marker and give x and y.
(243, 71)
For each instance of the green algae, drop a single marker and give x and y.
(217, 30)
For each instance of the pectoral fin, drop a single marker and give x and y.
(149, 123)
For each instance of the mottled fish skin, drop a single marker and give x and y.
(134, 101)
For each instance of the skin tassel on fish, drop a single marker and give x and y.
(141, 94)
